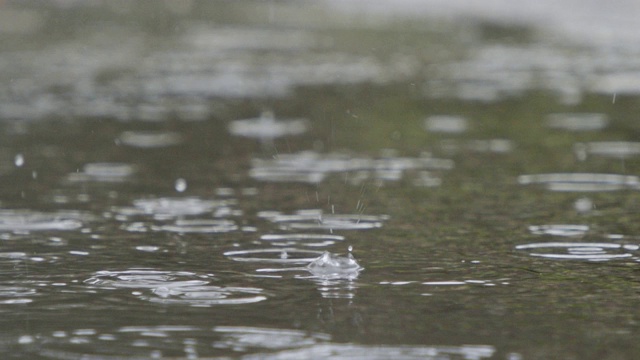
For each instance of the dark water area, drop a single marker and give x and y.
(330, 180)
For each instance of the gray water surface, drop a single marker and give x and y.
(326, 180)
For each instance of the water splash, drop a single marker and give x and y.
(331, 266)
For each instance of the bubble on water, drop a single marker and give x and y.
(18, 160)
(26, 221)
(582, 182)
(578, 121)
(580, 250)
(559, 230)
(150, 139)
(293, 255)
(311, 240)
(180, 185)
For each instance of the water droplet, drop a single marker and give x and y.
(18, 160)
(181, 185)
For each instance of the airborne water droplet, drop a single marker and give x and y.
(19, 160)
(181, 185)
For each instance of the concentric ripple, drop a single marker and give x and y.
(580, 250)
(26, 220)
(175, 288)
(170, 208)
(567, 230)
(582, 182)
(278, 256)
(315, 220)
(311, 240)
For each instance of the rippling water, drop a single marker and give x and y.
(340, 180)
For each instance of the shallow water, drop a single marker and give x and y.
(258, 180)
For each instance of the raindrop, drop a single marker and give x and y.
(181, 185)
(18, 160)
